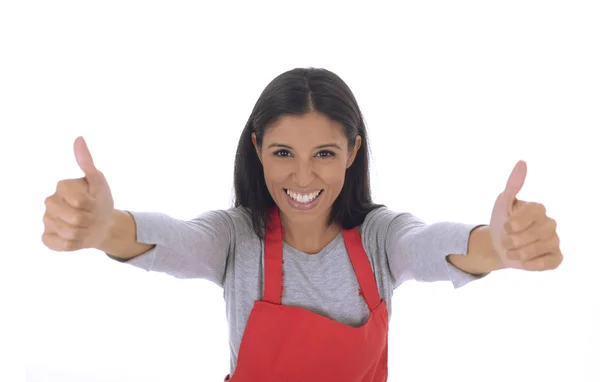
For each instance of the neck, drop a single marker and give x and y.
(309, 237)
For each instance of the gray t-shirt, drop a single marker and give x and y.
(222, 247)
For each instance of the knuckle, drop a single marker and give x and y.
(559, 260)
(536, 264)
(507, 242)
(523, 254)
(80, 219)
(540, 207)
(520, 240)
(72, 233)
(551, 245)
(514, 241)
(62, 186)
(76, 218)
(537, 249)
(50, 202)
(545, 231)
(512, 225)
(53, 242)
(529, 252)
(83, 202)
(46, 240)
(529, 265)
(79, 201)
(47, 222)
(64, 231)
(68, 245)
(541, 263)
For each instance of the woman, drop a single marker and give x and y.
(307, 261)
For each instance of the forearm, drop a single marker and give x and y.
(481, 256)
(121, 240)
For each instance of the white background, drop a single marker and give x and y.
(454, 93)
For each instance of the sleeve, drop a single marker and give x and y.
(197, 248)
(417, 251)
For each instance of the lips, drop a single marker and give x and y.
(303, 197)
(303, 201)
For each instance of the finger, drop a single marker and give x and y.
(524, 217)
(56, 243)
(59, 209)
(515, 183)
(540, 230)
(542, 263)
(64, 230)
(86, 163)
(75, 193)
(516, 180)
(84, 157)
(536, 249)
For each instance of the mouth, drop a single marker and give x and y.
(303, 201)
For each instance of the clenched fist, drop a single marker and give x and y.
(78, 213)
(523, 235)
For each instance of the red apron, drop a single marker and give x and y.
(288, 343)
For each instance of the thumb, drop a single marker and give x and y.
(515, 182)
(86, 163)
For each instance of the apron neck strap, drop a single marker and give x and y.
(273, 274)
(273, 268)
(362, 267)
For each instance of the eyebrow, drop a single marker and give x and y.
(327, 145)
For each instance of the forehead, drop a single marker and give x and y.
(307, 129)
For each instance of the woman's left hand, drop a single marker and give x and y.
(522, 235)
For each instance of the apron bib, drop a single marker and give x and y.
(288, 343)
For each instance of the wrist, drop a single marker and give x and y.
(482, 245)
(110, 232)
(481, 257)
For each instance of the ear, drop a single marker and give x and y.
(256, 147)
(352, 154)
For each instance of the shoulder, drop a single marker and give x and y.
(378, 221)
(234, 214)
(379, 215)
(236, 220)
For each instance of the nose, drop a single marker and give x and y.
(303, 173)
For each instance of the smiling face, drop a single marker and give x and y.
(305, 160)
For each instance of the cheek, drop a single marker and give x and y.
(276, 172)
(332, 173)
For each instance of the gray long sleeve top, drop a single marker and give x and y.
(222, 247)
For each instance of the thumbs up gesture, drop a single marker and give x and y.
(522, 235)
(78, 214)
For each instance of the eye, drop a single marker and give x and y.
(282, 153)
(325, 154)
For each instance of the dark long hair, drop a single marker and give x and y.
(297, 92)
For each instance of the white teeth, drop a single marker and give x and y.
(303, 198)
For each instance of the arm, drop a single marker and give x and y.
(419, 251)
(197, 248)
(481, 257)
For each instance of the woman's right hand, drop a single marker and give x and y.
(78, 215)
